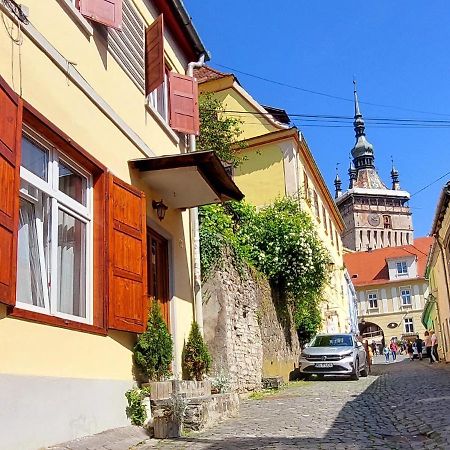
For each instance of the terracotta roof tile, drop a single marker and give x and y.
(371, 267)
(207, 73)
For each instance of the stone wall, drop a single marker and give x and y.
(249, 335)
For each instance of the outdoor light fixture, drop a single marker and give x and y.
(161, 209)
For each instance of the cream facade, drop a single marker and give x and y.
(437, 309)
(75, 103)
(278, 162)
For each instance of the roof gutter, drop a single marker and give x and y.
(190, 28)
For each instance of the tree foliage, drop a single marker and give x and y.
(280, 241)
(218, 131)
(196, 359)
(154, 349)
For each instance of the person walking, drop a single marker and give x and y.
(369, 354)
(386, 353)
(394, 349)
(409, 348)
(434, 346)
(428, 346)
(419, 347)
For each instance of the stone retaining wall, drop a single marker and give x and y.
(249, 334)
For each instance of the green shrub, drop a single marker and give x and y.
(196, 359)
(136, 410)
(153, 351)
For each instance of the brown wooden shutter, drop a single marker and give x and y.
(154, 55)
(127, 296)
(10, 140)
(106, 12)
(183, 92)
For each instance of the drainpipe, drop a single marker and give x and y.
(194, 225)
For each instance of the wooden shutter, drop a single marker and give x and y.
(127, 262)
(183, 92)
(154, 55)
(10, 140)
(106, 12)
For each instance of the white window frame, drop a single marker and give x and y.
(403, 268)
(153, 99)
(372, 297)
(402, 291)
(60, 201)
(409, 322)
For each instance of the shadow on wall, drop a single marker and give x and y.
(380, 417)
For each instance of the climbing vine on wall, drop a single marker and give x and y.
(280, 241)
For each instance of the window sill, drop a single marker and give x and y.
(77, 17)
(55, 321)
(162, 123)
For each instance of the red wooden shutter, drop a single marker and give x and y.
(10, 140)
(154, 55)
(183, 91)
(127, 297)
(107, 12)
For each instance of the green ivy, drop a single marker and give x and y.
(136, 410)
(280, 241)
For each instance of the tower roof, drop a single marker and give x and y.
(362, 153)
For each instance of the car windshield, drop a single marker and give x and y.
(332, 341)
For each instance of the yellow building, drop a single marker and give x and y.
(392, 290)
(278, 162)
(95, 107)
(437, 309)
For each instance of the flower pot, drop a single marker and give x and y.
(167, 427)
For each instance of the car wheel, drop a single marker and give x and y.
(307, 377)
(355, 374)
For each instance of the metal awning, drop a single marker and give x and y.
(189, 179)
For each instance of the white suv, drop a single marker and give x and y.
(334, 354)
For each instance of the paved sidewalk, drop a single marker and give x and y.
(401, 405)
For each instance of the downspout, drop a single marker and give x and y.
(441, 249)
(195, 229)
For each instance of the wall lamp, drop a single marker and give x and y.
(161, 209)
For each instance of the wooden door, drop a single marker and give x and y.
(158, 272)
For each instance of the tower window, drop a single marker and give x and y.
(387, 222)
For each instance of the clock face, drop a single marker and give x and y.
(374, 219)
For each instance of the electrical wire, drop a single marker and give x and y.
(324, 94)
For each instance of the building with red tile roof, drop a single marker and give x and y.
(391, 288)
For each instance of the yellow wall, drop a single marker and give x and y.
(31, 348)
(261, 175)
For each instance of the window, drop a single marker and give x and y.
(409, 325)
(331, 232)
(159, 99)
(54, 236)
(316, 206)
(387, 222)
(406, 296)
(325, 222)
(306, 186)
(373, 301)
(402, 268)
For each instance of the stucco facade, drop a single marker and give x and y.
(278, 162)
(61, 380)
(437, 311)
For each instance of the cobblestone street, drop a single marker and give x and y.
(402, 405)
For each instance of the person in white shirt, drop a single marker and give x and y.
(434, 346)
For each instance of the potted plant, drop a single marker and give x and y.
(196, 359)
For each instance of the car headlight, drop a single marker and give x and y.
(345, 355)
(304, 355)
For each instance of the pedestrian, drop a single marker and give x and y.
(419, 347)
(434, 346)
(428, 346)
(373, 346)
(386, 353)
(369, 354)
(409, 348)
(394, 348)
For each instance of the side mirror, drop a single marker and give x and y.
(306, 345)
(359, 344)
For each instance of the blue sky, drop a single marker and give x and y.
(398, 52)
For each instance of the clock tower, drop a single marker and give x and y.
(375, 216)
